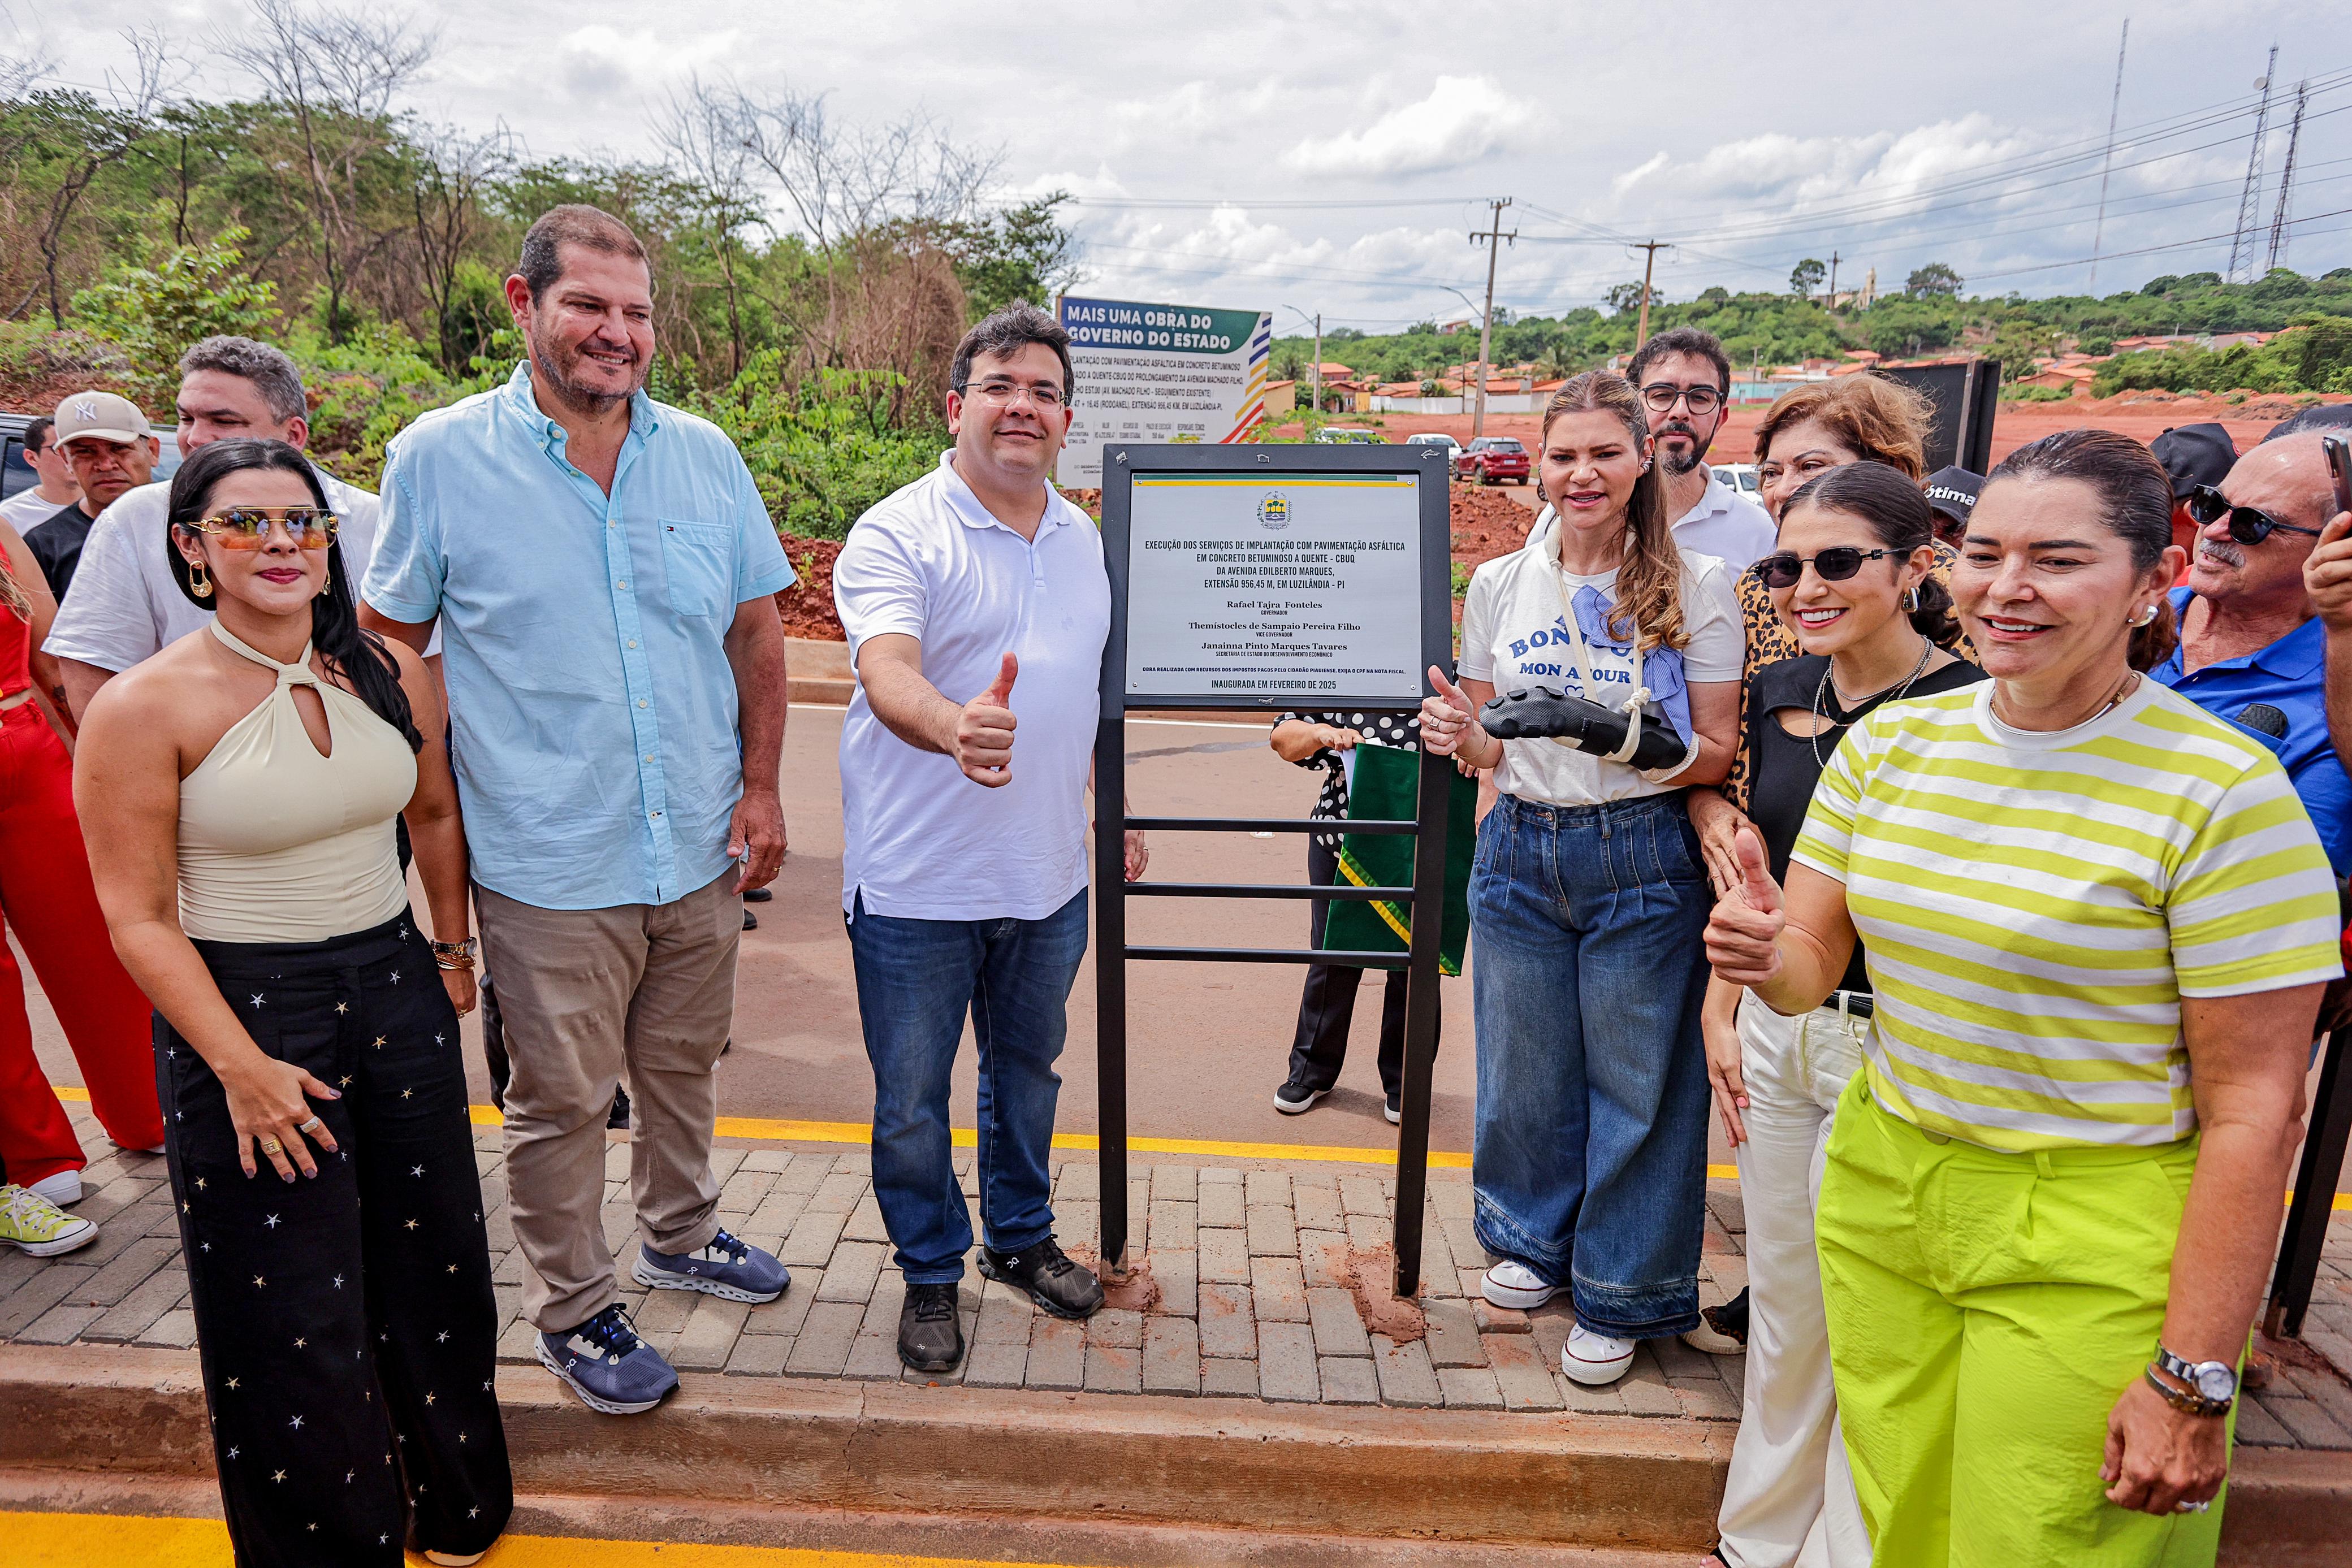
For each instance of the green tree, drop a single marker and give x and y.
(155, 312)
(1934, 279)
(1806, 277)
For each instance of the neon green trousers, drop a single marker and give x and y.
(1986, 1311)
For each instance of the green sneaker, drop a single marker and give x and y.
(38, 1226)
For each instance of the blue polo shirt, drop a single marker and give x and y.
(2289, 676)
(591, 706)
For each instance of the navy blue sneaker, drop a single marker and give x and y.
(606, 1365)
(730, 1269)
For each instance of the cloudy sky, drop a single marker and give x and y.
(1333, 158)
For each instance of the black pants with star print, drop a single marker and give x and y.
(346, 1323)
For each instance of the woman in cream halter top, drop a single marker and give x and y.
(238, 791)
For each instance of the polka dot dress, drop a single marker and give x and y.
(1401, 730)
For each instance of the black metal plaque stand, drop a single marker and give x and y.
(1112, 951)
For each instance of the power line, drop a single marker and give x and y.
(2153, 249)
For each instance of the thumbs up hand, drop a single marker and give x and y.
(1447, 717)
(984, 731)
(1743, 934)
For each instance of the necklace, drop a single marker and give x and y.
(2123, 689)
(1825, 696)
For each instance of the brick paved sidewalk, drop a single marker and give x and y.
(1265, 1281)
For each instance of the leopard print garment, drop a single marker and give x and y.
(1769, 640)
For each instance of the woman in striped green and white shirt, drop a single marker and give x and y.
(2097, 922)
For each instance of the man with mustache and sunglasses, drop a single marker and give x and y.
(2252, 648)
(1685, 379)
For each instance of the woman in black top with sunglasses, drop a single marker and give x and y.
(1850, 581)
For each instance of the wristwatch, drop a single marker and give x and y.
(455, 955)
(2212, 1386)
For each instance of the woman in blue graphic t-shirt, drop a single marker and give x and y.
(1588, 895)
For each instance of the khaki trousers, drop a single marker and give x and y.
(585, 995)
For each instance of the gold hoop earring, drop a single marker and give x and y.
(1911, 598)
(200, 581)
(2146, 618)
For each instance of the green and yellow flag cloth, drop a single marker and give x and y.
(1386, 785)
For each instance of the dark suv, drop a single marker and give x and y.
(1491, 459)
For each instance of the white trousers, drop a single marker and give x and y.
(1789, 1499)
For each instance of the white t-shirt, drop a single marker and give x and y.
(1727, 526)
(1515, 634)
(125, 604)
(920, 840)
(25, 507)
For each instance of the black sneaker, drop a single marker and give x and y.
(617, 1119)
(1543, 712)
(1298, 1096)
(930, 1336)
(1058, 1286)
(751, 921)
(759, 894)
(1393, 1109)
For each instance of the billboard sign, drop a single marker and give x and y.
(1160, 373)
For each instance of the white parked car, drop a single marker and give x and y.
(1739, 477)
(1438, 438)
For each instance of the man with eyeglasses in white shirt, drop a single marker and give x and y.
(964, 827)
(1685, 379)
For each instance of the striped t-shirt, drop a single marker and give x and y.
(2035, 905)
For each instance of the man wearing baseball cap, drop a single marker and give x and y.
(2193, 455)
(105, 440)
(1952, 496)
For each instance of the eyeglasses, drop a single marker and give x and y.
(1833, 565)
(1662, 396)
(2248, 525)
(247, 528)
(1004, 393)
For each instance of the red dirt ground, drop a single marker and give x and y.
(807, 606)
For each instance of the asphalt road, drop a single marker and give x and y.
(1207, 1042)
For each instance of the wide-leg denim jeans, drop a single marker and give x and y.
(916, 980)
(1589, 1166)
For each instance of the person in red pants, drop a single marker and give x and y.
(47, 896)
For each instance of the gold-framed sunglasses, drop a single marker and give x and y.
(247, 528)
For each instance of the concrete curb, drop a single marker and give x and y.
(1620, 1482)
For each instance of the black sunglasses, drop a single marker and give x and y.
(1833, 565)
(2248, 525)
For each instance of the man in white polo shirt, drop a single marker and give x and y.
(973, 595)
(1686, 385)
(126, 605)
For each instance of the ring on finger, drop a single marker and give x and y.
(310, 1126)
(272, 1146)
(2187, 1506)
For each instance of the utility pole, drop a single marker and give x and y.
(2286, 180)
(1316, 378)
(1493, 239)
(2250, 203)
(1642, 327)
(1833, 261)
(2099, 229)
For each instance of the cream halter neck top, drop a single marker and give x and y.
(281, 844)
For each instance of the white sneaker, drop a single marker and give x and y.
(1595, 1360)
(61, 1188)
(1513, 1284)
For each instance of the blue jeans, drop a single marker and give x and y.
(1590, 1164)
(916, 978)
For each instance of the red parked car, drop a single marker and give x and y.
(1491, 459)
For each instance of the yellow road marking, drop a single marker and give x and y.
(107, 1541)
(761, 1129)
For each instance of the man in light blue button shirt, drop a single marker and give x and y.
(603, 572)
